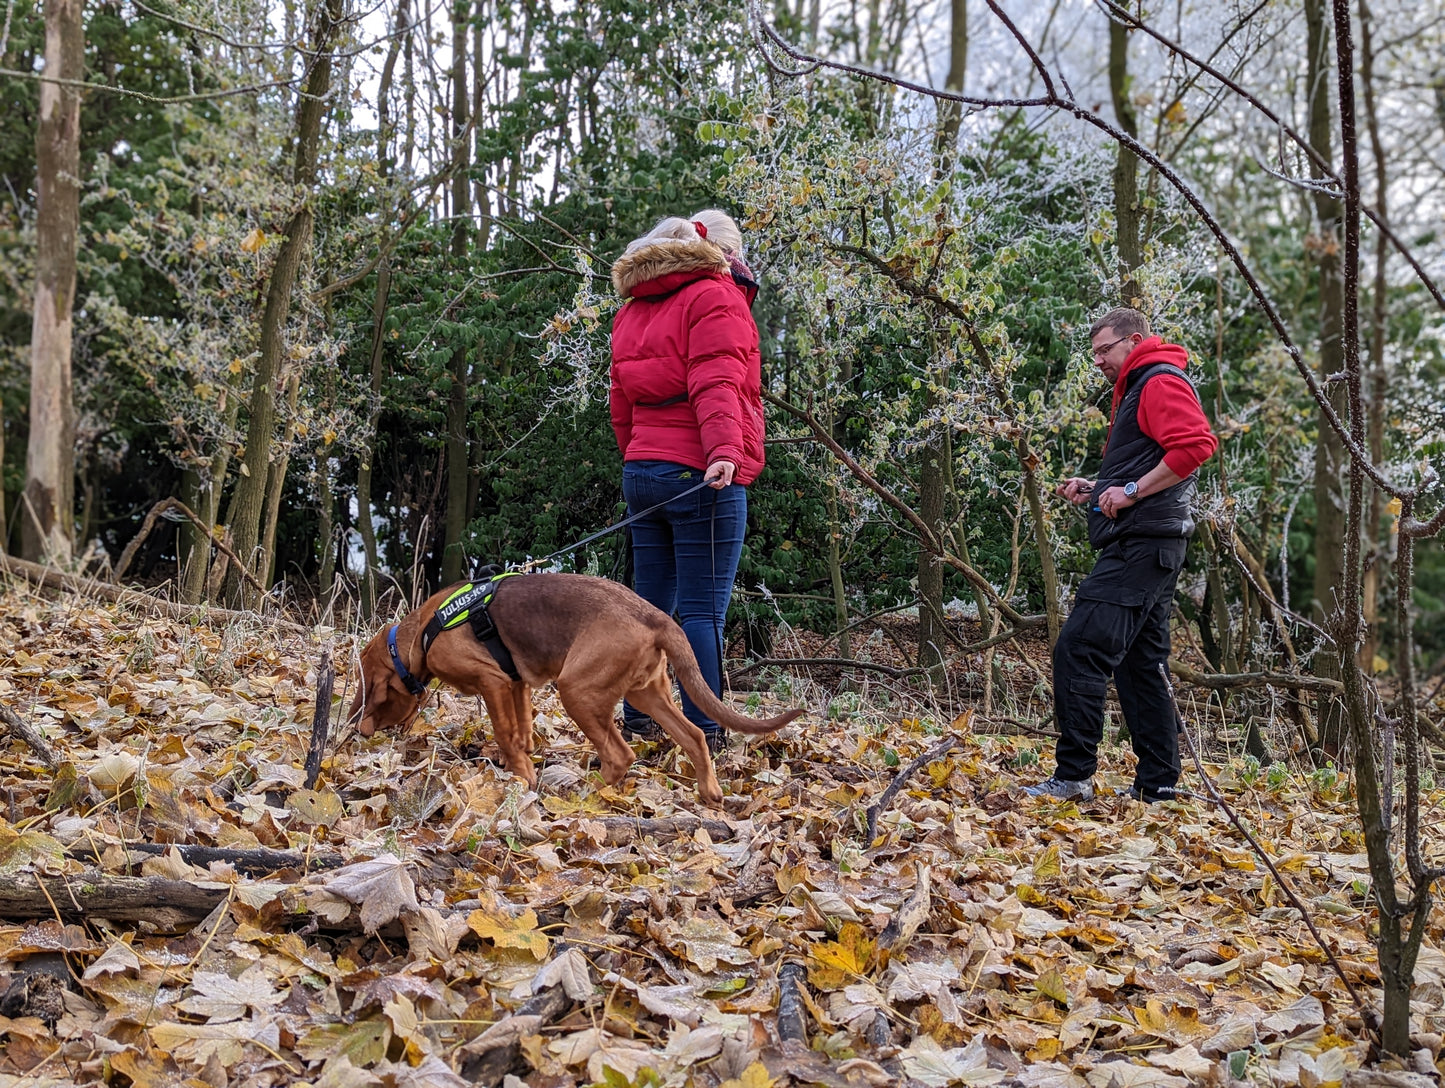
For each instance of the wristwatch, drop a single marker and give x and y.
(1131, 490)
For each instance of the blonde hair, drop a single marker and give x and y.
(721, 232)
(721, 229)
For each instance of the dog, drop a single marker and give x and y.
(596, 639)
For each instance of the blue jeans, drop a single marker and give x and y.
(686, 556)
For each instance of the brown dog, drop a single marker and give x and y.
(597, 639)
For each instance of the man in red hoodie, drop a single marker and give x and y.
(1140, 522)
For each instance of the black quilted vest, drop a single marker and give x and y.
(1131, 454)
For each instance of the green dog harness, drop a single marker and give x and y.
(469, 604)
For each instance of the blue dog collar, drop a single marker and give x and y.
(413, 685)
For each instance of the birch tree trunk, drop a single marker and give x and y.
(249, 500)
(47, 505)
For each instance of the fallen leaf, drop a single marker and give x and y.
(570, 971)
(924, 1060)
(506, 931)
(221, 997)
(382, 887)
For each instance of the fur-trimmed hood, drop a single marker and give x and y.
(677, 262)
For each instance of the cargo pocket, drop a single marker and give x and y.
(1171, 554)
(1102, 624)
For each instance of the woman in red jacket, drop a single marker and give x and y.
(687, 407)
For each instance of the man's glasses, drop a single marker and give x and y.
(1099, 352)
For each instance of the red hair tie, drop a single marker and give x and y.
(701, 230)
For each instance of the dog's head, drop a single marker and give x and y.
(382, 701)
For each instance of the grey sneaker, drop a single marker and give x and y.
(1136, 793)
(1062, 789)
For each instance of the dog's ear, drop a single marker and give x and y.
(485, 572)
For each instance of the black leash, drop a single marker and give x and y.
(531, 563)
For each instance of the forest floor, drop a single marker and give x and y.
(422, 919)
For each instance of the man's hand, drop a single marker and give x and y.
(1076, 489)
(1114, 500)
(720, 474)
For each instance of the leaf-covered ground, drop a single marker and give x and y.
(979, 939)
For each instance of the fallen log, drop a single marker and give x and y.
(622, 830)
(256, 862)
(94, 894)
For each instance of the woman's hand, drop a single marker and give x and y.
(720, 474)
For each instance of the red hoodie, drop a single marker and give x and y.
(1169, 410)
(686, 372)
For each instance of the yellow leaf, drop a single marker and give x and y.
(1393, 508)
(328, 436)
(253, 242)
(1176, 114)
(835, 963)
(754, 1076)
(1046, 1051)
(1051, 985)
(235, 367)
(508, 932)
(1177, 1025)
(1030, 896)
(1380, 664)
(1047, 864)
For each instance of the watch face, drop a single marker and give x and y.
(1131, 489)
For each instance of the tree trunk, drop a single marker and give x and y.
(950, 114)
(1377, 556)
(1047, 571)
(365, 523)
(931, 490)
(1329, 472)
(835, 577)
(1126, 169)
(4, 525)
(453, 557)
(208, 500)
(276, 481)
(248, 502)
(47, 505)
(933, 481)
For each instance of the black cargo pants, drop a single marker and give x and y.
(1120, 627)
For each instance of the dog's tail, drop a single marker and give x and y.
(673, 642)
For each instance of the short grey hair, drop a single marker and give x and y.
(1124, 320)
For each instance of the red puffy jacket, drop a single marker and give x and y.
(686, 373)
